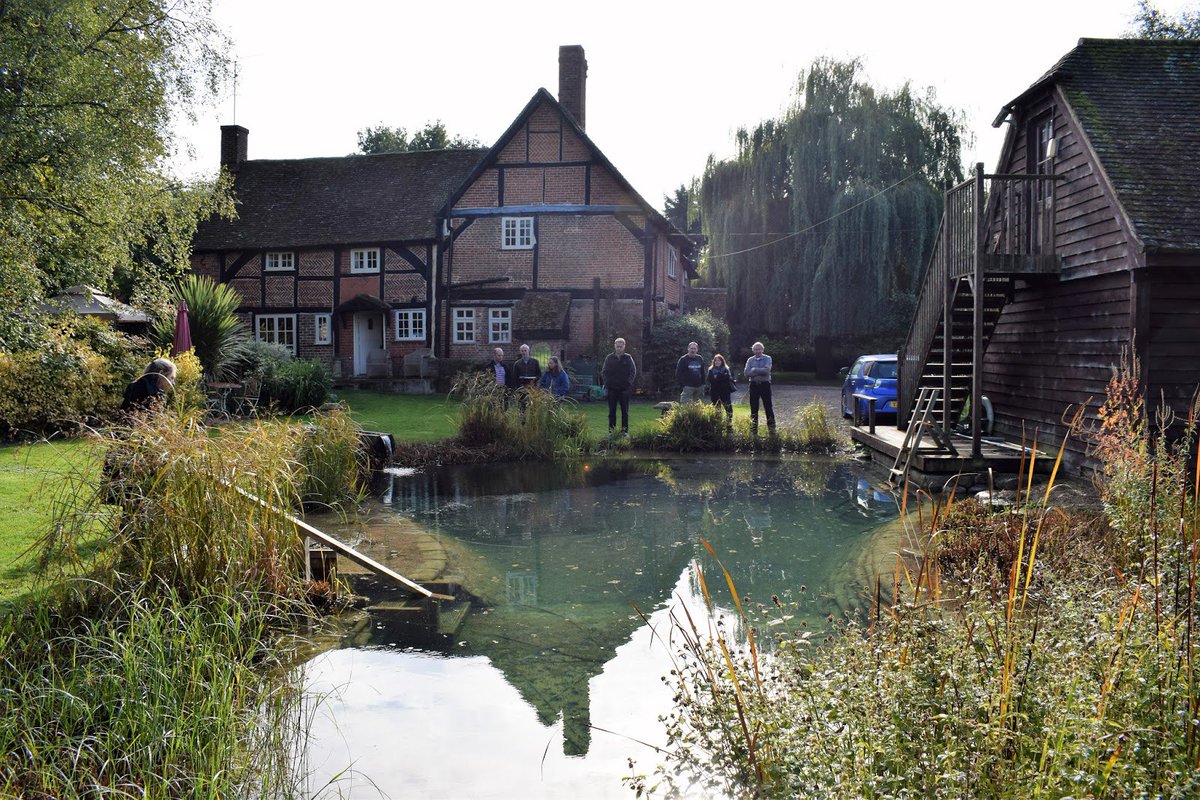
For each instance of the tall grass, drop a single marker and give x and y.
(701, 428)
(1048, 661)
(159, 697)
(145, 667)
(508, 426)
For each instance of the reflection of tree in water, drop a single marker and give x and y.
(573, 549)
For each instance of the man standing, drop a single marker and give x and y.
(690, 373)
(617, 375)
(758, 374)
(525, 370)
(498, 368)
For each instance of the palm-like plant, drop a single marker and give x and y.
(218, 336)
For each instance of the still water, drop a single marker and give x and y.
(552, 680)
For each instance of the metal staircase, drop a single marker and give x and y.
(986, 241)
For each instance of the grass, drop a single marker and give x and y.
(147, 667)
(29, 477)
(431, 418)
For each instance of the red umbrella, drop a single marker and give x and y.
(183, 332)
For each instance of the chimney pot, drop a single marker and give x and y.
(233, 146)
(572, 81)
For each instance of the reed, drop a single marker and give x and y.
(158, 696)
(513, 427)
(1035, 668)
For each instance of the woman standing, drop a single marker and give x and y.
(554, 379)
(721, 384)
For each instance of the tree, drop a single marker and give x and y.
(1152, 23)
(385, 139)
(682, 209)
(825, 218)
(87, 94)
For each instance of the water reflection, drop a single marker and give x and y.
(562, 560)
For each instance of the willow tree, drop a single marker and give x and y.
(823, 221)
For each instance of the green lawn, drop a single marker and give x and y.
(427, 418)
(30, 478)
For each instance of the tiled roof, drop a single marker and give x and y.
(327, 201)
(541, 312)
(1139, 103)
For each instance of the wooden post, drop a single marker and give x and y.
(948, 286)
(977, 333)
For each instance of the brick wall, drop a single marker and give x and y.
(315, 262)
(572, 249)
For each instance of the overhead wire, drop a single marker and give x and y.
(815, 225)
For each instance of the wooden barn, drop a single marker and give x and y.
(1082, 246)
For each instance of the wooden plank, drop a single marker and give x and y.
(343, 548)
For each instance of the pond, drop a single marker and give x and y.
(551, 679)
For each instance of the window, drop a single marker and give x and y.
(464, 325)
(322, 329)
(670, 262)
(278, 262)
(410, 324)
(500, 325)
(517, 233)
(366, 260)
(278, 329)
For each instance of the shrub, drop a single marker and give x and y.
(60, 386)
(514, 428)
(669, 340)
(812, 431)
(688, 428)
(301, 384)
(218, 335)
(188, 393)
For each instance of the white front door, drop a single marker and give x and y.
(368, 338)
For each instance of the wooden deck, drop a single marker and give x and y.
(998, 455)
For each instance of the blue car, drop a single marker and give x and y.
(875, 376)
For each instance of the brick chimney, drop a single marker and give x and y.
(572, 80)
(233, 146)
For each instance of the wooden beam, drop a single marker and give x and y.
(343, 548)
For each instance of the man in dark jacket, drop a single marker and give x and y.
(690, 374)
(523, 376)
(618, 374)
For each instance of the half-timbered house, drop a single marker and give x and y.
(360, 261)
(1082, 246)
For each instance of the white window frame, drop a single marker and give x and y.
(464, 326)
(322, 321)
(277, 332)
(499, 325)
(364, 260)
(411, 323)
(279, 261)
(671, 262)
(516, 233)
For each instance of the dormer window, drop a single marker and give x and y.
(364, 260)
(517, 233)
(280, 262)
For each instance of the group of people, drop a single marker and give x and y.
(526, 373)
(716, 380)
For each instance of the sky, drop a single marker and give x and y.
(668, 82)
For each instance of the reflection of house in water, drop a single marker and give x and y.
(578, 550)
(570, 554)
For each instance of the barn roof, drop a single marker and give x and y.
(1138, 102)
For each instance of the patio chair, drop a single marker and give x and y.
(245, 402)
